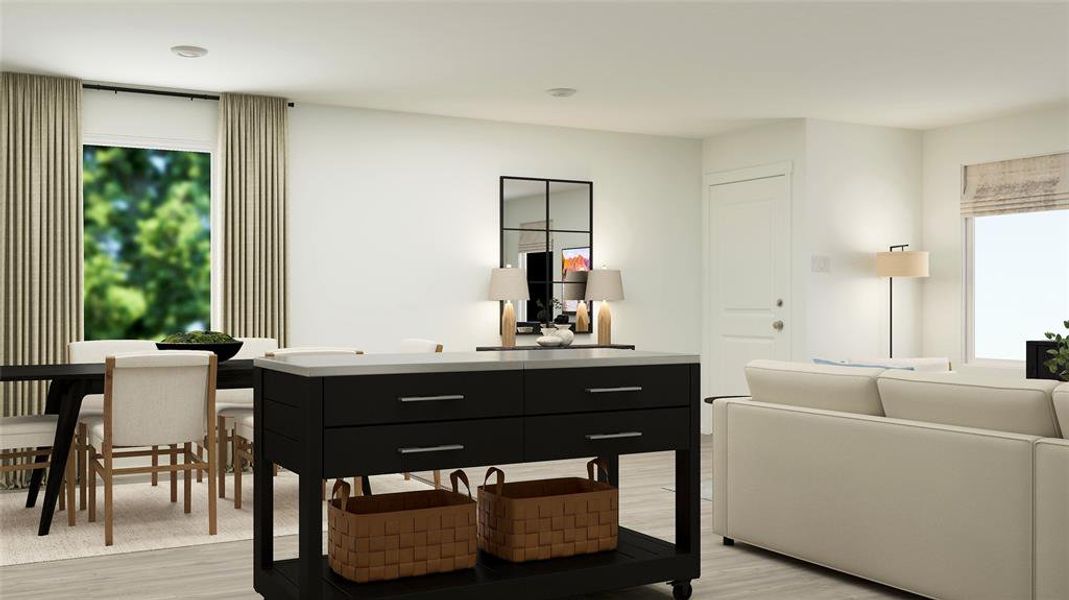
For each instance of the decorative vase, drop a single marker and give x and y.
(550, 338)
(564, 332)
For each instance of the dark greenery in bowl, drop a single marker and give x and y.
(198, 337)
(221, 344)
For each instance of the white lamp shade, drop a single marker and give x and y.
(509, 284)
(575, 285)
(604, 284)
(902, 264)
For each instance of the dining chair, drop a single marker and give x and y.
(97, 351)
(164, 398)
(416, 346)
(233, 404)
(30, 436)
(243, 436)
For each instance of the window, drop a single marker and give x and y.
(147, 241)
(1020, 280)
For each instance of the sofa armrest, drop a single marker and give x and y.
(1052, 519)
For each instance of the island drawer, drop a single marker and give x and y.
(553, 391)
(594, 434)
(421, 446)
(372, 399)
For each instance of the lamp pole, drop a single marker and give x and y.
(891, 306)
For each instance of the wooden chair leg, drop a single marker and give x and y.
(92, 483)
(408, 476)
(220, 457)
(187, 483)
(174, 474)
(200, 457)
(213, 499)
(275, 473)
(83, 462)
(239, 466)
(109, 508)
(155, 463)
(437, 479)
(72, 463)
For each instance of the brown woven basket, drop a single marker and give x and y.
(377, 538)
(549, 518)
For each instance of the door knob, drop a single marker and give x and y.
(777, 325)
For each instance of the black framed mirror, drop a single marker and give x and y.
(547, 228)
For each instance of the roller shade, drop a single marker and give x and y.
(1016, 186)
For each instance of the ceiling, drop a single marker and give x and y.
(683, 69)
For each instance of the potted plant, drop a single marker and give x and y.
(1058, 363)
(224, 346)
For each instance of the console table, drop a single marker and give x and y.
(326, 416)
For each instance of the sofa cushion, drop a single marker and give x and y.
(1061, 407)
(846, 389)
(984, 402)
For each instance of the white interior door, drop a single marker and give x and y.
(748, 279)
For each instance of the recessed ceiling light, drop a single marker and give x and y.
(561, 92)
(189, 51)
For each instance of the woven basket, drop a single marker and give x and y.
(549, 518)
(377, 538)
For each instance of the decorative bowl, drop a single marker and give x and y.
(549, 341)
(224, 351)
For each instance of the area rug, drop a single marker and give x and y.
(145, 519)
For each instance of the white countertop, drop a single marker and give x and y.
(332, 365)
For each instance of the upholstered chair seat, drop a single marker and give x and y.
(28, 431)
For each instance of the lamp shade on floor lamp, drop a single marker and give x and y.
(508, 284)
(898, 262)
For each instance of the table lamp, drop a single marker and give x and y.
(898, 262)
(575, 289)
(508, 284)
(604, 284)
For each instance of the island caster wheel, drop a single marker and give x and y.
(681, 590)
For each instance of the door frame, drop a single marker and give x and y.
(710, 179)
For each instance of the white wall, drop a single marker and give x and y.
(393, 225)
(855, 189)
(863, 195)
(946, 151)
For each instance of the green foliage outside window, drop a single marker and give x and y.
(147, 242)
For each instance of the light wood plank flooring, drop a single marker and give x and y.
(224, 570)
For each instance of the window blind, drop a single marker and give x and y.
(533, 238)
(1016, 186)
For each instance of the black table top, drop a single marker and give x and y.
(88, 370)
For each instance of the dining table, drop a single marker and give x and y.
(68, 385)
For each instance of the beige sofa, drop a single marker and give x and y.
(941, 484)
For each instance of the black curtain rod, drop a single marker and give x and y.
(190, 95)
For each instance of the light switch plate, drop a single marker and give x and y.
(820, 263)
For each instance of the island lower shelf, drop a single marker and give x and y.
(638, 560)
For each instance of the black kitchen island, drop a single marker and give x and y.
(326, 416)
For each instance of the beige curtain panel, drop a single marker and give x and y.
(253, 133)
(40, 231)
(1015, 186)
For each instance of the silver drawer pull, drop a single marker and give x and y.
(445, 448)
(614, 436)
(626, 388)
(431, 398)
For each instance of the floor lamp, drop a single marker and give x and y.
(898, 262)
